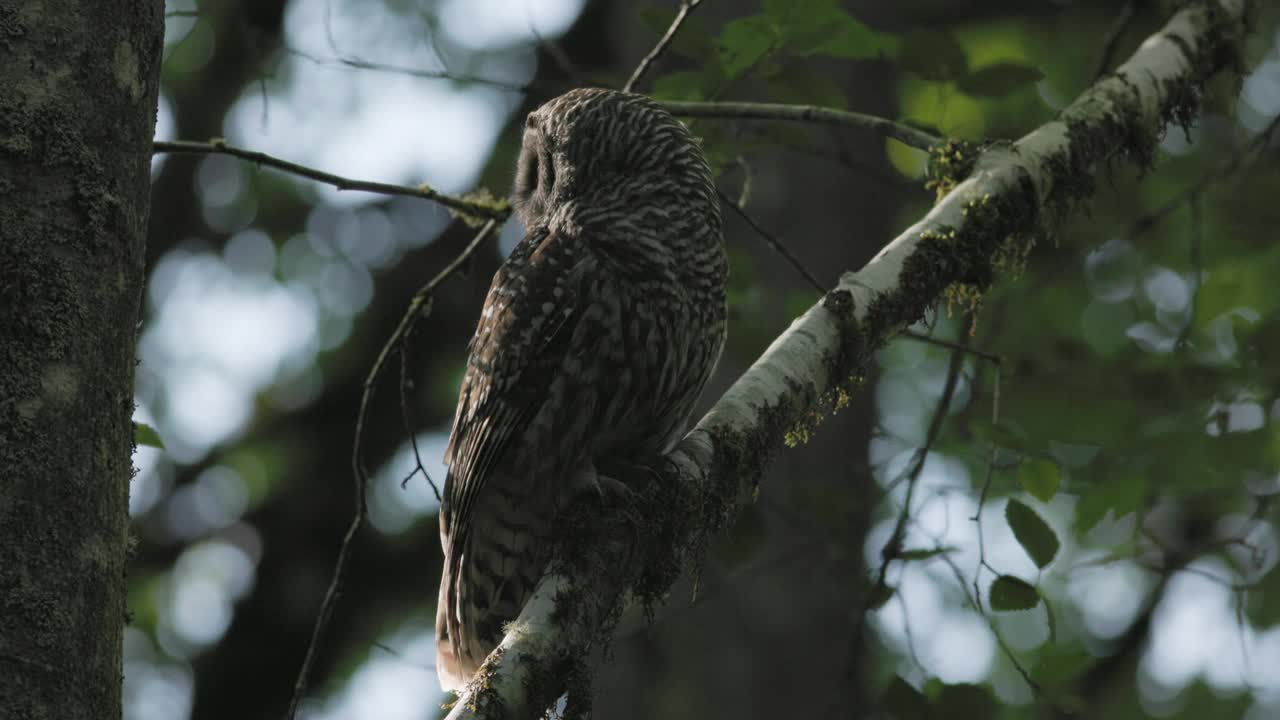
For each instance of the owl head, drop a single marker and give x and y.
(593, 149)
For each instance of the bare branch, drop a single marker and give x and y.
(419, 306)
(773, 243)
(356, 63)
(989, 357)
(407, 423)
(905, 134)
(1122, 22)
(975, 602)
(686, 6)
(1258, 143)
(556, 52)
(777, 246)
(494, 210)
(893, 548)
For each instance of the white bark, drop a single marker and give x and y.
(725, 452)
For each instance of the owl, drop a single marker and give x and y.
(596, 338)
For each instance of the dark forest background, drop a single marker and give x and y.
(1138, 368)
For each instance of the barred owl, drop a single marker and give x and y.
(597, 336)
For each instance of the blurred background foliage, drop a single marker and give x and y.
(1124, 489)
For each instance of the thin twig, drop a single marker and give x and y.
(357, 63)
(1112, 41)
(893, 548)
(686, 7)
(486, 211)
(1197, 235)
(405, 421)
(986, 487)
(777, 246)
(419, 306)
(1258, 142)
(773, 243)
(977, 607)
(842, 158)
(397, 654)
(906, 630)
(921, 337)
(557, 54)
(905, 134)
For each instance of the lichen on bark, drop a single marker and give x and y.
(75, 133)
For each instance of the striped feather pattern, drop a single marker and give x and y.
(595, 340)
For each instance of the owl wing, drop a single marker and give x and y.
(519, 346)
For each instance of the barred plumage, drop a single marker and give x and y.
(596, 338)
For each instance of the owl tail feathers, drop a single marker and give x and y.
(454, 671)
(453, 667)
(448, 667)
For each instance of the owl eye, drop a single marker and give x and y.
(527, 174)
(547, 166)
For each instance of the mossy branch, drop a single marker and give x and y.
(1015, 190)
(480, 207)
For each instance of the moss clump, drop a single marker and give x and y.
(992, 238)
(949, 164)
(1110, 127)
(484, 696)
(481, 197)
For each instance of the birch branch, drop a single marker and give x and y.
(1014, 192)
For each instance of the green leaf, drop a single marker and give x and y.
(1041, 478)
(1003, 435)
(799, 86)
(933, 55)
(879, 595)
(1033, 533)
(904, 701)
(821, 27)
(744, 42)
(849, 40)
(964, 702)
(999, 79)
(679, 86)
(693, 41)
(1009, 593)
(1119, 495)
(1058, 665)
(145, 435)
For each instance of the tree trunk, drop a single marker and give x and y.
(77, 114)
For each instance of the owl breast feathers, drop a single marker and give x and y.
(596, 338)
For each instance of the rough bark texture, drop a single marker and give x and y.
(1013, 192)
(77, 115)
